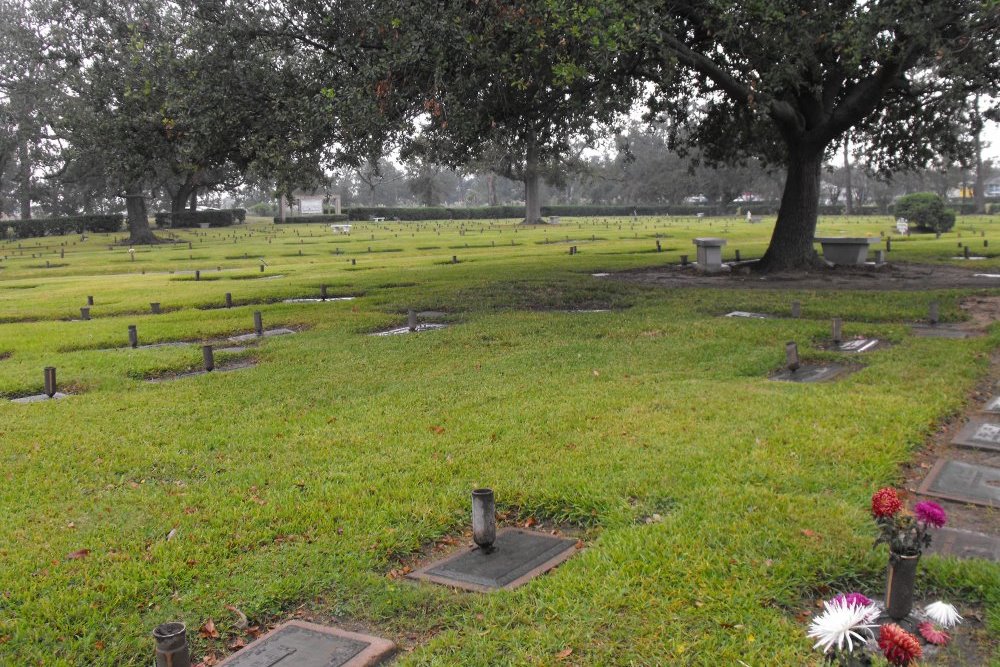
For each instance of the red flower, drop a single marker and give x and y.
(898, 646)
(886, 503)
(932, 635)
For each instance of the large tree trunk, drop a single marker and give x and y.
(24, 178)
(792, 240)
(532, 183)
(180, 199)
(979, 193)
(491, 187)
(138, 221)
(194, 200)
(849, 210)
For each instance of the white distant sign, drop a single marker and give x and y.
(311, 206)
(902, 226)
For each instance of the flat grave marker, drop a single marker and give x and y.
(747, 315)
(301, 644)
(993, 406)
(965, 544)
(963, 482)
(268, 333)
(398, 331)
(857, 345)
(809, 374)
(980, 433)
(940, 331)
(517, 557)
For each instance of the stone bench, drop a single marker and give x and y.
(845, 250)
(710, 253)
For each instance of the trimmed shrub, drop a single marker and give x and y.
(300, 219)
(76, 224)
(925, 211)
(219, 218)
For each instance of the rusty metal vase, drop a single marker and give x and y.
(171, 645)
(900, 579)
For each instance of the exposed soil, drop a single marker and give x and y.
(900, 276)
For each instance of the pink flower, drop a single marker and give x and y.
(930, 513)
(898, 646)
(886, 503)
(932, 635)
(852, 599)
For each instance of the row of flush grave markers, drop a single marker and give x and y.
(794, 371)
(208, 351)
(499, 560)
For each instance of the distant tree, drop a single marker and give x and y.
(785, 81)
(516, 81)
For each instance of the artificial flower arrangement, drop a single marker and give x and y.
(849, 630)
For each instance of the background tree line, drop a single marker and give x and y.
(142, 103)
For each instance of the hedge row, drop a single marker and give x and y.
(213, 218)
(326, 217)
(76, 224)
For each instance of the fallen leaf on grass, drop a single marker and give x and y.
(99, 645)
(579, 544)
(532, 521)
(563, 654)
(401, 572)
(811, 534)
(77, 555)
(208, 630)
(236, 644)
(254, 631)
(438, 430)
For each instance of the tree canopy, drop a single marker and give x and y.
(784, 80)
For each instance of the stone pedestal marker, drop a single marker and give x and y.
(796, 309)
(684, 260)
(197, 275)
(133, 336)
(454, 259)
(229, 300)
(258, 323)
(837, 331)
(85, 313)
(737, 254)
(208, 356)
(155, 307)
(90, 301)
(933, 315)
(322, 292)
(659, 248)
(879, 257)
(411, 319)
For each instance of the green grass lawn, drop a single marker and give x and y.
(339, 456)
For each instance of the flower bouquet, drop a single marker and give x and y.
(907, 535)
(846, 632)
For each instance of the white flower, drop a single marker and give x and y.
(943, 614)
(842, 623)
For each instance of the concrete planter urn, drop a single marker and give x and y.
(845, 250)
